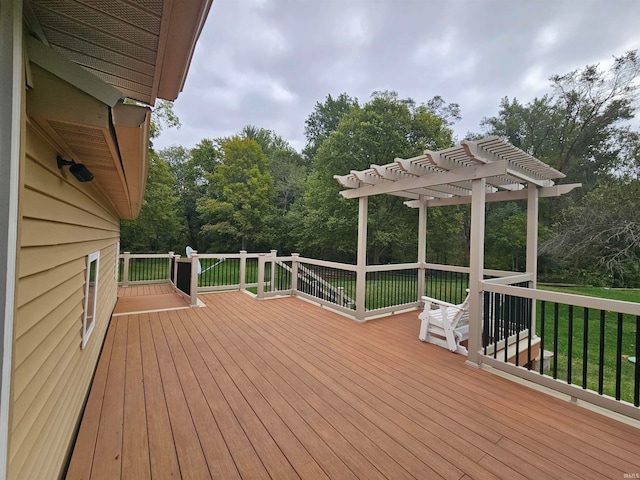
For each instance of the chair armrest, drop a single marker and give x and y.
(440, 303)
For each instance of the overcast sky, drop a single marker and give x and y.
(267, 62)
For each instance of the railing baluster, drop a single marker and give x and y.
(585, 347)
(485, 326)
(542, 325)
(601, 356)
(555, 340)
(636, 383)
(497, 300)
(505, 322)
(619, 356)
(570, 345)
(528, 319)
(519, 305)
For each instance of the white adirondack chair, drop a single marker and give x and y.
(445, 324)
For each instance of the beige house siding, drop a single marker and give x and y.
(62, 221)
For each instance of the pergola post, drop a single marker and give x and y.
(361, 273)
(422, 245)
(476, 267)
(532, 233)
(532, 246)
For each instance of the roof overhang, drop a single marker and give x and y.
(445, 177)
(142, 48)
(89, 123)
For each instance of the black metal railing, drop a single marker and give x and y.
(591, 348)
(391, 288)
(148, 269)
(216, 272)
(251, 271)
(447, 286)
(507, 321)
(283, 274)
(330, 284)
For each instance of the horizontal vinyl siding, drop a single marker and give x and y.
(62, 222)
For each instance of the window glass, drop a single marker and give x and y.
(90, 296)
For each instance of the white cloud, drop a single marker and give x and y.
(267, 62)
(535, 80)
(547, 37)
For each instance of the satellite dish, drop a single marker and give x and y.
(189, 252)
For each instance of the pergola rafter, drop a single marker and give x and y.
(474, 172)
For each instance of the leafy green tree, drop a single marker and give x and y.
(239, 194)
(582, 129)
(163, 117)
(287, 167)
(160, 226)
(577, 128)
(604, 227)
(324, 120)
(384, 128)
(190, 168)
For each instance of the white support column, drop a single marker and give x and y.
(194, 279)
(361, 273)
(175, 271)
(11, 122)
(171, 264)
(422, 245)
(532, 245)
(126, 258)
(274, 254)
(476, 267)
(294, 274)
(261, 259)
(532, 233)
(242, 283)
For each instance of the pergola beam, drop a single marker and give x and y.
(479, 153)
(457, 175)
(555, 191)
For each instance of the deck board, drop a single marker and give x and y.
(135, 441)
(285, 389)
(163, 458)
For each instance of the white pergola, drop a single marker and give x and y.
(474, 172)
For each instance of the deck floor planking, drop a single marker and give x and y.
(285, 389)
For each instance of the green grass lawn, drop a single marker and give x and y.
(612, 356)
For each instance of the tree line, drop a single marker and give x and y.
(253, 191)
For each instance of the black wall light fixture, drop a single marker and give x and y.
(79, 171)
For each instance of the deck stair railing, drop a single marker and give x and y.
(311, 282)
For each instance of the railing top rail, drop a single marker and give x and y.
(389, 267)
(619, 306)
(231, 255)
(324, 263)
(146, 255)
(279, 259)
(446, 268)
(500, 273)
(524, 277)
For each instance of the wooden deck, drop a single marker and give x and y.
(148, 298)
(283, 389)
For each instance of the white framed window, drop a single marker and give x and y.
(90, 296)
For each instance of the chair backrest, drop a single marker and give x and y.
(462, 315)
